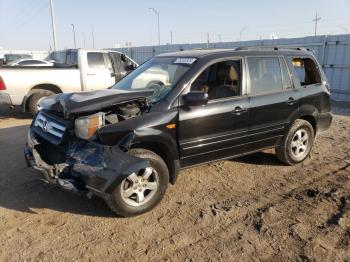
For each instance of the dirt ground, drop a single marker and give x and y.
(247, 209)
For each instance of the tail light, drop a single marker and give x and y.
(2, 84)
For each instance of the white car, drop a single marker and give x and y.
(30, 62)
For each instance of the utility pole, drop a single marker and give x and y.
(93, 37)
(157, 14)
(316, 21)
(75, 42)
(171, 37)
(53, 26)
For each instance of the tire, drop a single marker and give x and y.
(128, 206)
(34, 99)
(297, 143)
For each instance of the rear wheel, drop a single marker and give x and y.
(142, 190)
(35, 98)
(296, 145)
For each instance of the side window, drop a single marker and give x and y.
(265, 75)
(285, 75)
(96, 60)
(72, 58)
(220, 80)
(306, 71)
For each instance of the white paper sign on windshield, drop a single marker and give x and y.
(185, 60)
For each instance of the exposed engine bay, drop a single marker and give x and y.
(124, 111)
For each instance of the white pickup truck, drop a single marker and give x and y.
(76, 70)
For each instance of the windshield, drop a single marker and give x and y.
(158, 74)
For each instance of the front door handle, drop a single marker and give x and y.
(291, 101)
(239, 110)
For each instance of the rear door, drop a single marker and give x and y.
(99, 72)
(272, 98)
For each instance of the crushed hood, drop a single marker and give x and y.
(84, 102)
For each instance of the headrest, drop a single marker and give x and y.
(232, 74)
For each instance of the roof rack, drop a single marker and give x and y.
(243, 48)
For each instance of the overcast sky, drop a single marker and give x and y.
(26, 24)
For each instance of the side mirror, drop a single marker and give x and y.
(196, 98)
(130, 67)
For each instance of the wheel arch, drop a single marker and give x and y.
(49, 87)
(310, 114)
(312, 120)
(169, 157)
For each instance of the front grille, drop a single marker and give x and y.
(50, 127)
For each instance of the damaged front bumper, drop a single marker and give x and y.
(89, 166)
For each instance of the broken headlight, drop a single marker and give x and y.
(86, 126)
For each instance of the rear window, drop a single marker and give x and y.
(72, 58)
(265, 75)
(96, 60)
(306, 71)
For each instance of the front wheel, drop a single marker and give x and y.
(142, 190)
(35, 98)
(296, 145)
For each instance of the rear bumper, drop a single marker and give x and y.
(324, 121)
(5, 99)
(89, 167)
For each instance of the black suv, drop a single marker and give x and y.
(126, 143)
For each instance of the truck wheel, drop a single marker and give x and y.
(35, 98)
(296, 144)
(143, 190)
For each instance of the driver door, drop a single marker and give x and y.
(218, 129)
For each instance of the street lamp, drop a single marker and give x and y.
(241, 32)
(75, 42)
(157, 14)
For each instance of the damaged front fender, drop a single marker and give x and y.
(102, 167)
(93, 166)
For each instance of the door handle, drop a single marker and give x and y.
(291, 101)
(239, 110)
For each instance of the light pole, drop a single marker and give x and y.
(75, 43)
(53, 26)
(157, 14)
(93, 37)
(241, 32)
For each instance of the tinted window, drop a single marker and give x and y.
(285, 75)
(96, 60)
(72, 58)
(58, 56)
(306, 71)
(265, 74)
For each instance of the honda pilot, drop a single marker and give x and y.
(125, 144)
